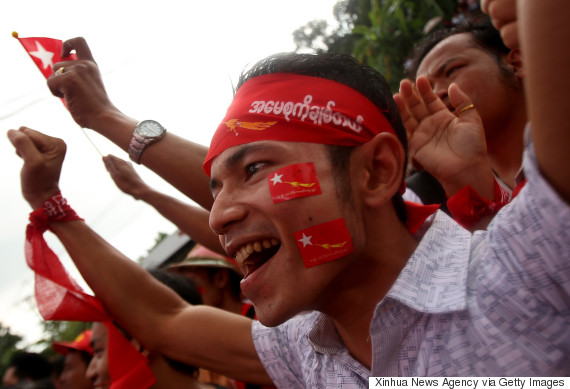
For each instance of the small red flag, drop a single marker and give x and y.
(324, 242)
(45, 52)
(293, 181)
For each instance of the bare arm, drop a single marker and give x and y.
(544, 34)
(192, 220)
(542, 30)
(175, 159)
(147, 309)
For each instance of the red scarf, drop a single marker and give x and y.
(59, 297)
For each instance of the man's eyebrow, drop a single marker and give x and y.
(442, 67)
(235, 158)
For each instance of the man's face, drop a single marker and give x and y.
(98, 369)
(9, 377)
(211, 294)
(74, 374)
(260, 233)
(475, 71)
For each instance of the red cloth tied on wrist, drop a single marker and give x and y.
(296, 108)
(467, 207)
(59, 296)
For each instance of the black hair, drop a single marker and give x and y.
(44, 383)
(234, 279)
(347, 70)
(483, 34)
(183, 286)
(30, 365)
(85, 356)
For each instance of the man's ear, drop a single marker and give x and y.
(515, 60)
(221, 278)
(383, 169)
(138, 345)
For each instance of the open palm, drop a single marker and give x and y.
(448, 142)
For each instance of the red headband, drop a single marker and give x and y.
(295, 108)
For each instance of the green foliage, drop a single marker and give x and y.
(159, 238)
(379, 33)
(319, 36)
(395, 26)
(8, 346)
(60, 331)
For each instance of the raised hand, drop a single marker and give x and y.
(125, 176)
(503, 14)
(79, 82)
(43, 157)
(449, 142)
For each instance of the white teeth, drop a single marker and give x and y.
(244, 252)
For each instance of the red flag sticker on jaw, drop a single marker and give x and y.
(293, 181)
(324, 242)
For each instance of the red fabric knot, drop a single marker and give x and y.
(417, 214)
(55, 209)
(59, 297)
(468, 207)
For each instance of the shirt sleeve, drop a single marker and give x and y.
(521, 276)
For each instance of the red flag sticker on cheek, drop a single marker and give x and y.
(294, 181)
(324, 242)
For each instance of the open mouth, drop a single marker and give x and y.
(254, 254)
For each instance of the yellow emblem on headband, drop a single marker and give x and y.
(258, 126)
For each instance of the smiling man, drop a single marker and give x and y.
(306, 171)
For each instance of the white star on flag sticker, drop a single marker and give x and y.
(306, 240)
(277, 179)
(44, 55)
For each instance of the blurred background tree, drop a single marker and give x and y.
(8, 346)
(382, 33)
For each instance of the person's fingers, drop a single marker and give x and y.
(409, 122)
(510, 35)
(80, 46)
(464, 108)
(413, 101)
(30, 144)
(485, 6)
(503, 12)
(401, 104)
(109, 163)
(24, 146)
(431, 102)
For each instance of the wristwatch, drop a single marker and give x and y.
(146, 133)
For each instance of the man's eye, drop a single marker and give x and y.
(451, 70)
(253, 168)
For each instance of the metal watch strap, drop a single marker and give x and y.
(136, 147)
(140, 142)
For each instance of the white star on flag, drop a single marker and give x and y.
(306, 240)
(277, 179)
(44, 55)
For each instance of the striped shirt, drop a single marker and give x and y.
(493, 303)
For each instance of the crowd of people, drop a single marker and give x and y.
(303, 197)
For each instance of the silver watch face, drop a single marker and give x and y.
(149, 128)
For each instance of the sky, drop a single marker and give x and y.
(167, 60)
